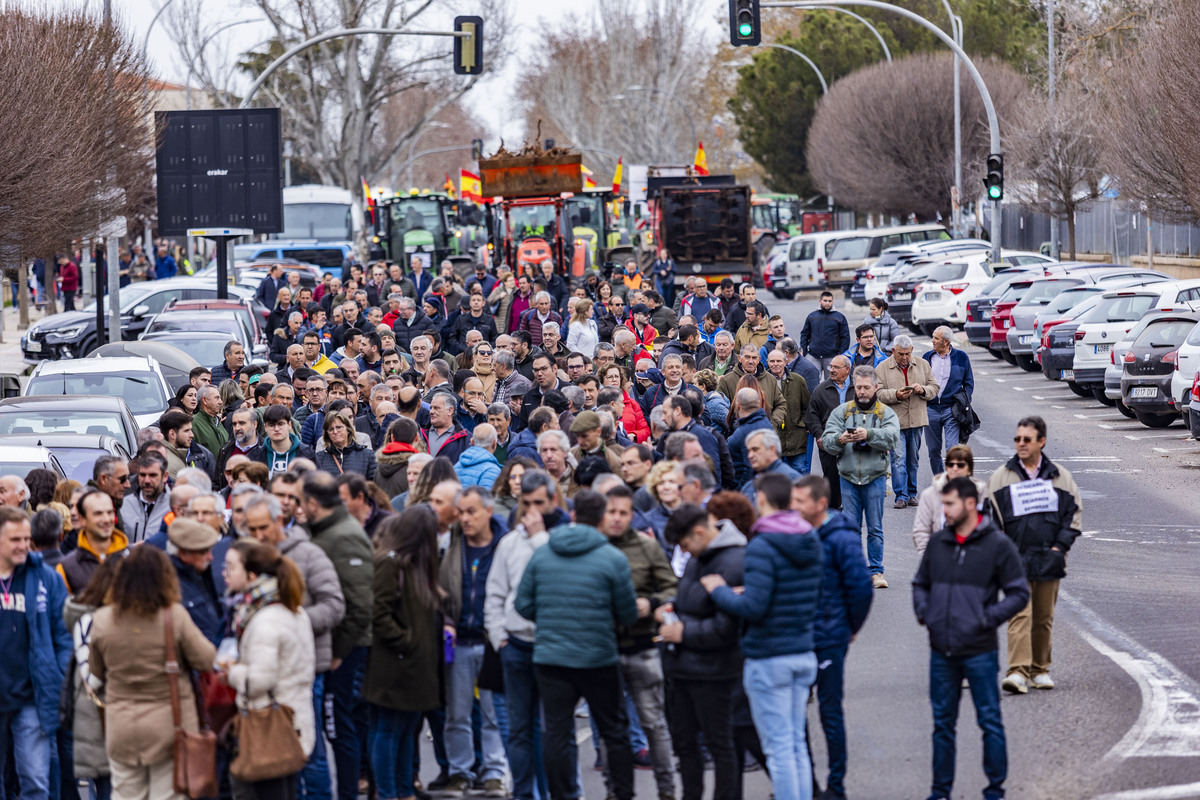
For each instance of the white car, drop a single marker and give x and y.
(807, 255)
(1117, 312)
(139, 381)
(1187, 364)
(941, 298)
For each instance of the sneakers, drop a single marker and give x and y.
(641, 759)
(494, 788)
(1042, 681)
(900, 503)
(878, 581)
(457, 786)
(1015, 684)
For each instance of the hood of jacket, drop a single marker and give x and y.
(727, 536)
(781, 522)
(118, 543)
(796, 549)
(473, 456)
(576, 540)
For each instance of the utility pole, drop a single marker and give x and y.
(1055, 246)
(112, 237)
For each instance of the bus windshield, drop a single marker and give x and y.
(325, 222)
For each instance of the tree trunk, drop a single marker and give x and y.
(22, 298)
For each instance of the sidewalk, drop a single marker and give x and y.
(10, 349)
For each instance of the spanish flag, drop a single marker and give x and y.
(617, 178)
(366, 192)
(588, 182)
(701, 165)
(449, 187)
(469, 187)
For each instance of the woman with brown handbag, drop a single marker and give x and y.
(129, 655)
(274, 671)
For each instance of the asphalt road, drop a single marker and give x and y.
(1124, 720)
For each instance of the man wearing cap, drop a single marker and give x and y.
(190, 547)
(590, 441)
(639, 325)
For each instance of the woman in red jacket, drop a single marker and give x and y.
(636, 427)
(68, 271)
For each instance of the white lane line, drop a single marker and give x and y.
(1174, 449)
(1017, 388)
(1180, 792)
(999, 380)
(1060, 408)
(1117, 415)
(1169, 722)
(1115, 428)
(1175, 436)
(1088, 459)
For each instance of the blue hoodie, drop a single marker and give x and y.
(49, 641)
(477, 467)
(783, 577)
(846, 590)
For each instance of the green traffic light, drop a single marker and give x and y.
(745, 30)
(995, 192)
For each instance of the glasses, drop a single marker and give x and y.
(956, 464)
(1023, 439)
(483, 352)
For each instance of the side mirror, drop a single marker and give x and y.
(141, 311)
(259, 350)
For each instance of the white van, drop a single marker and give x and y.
(807, 255)
(863, 246)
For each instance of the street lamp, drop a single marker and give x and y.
(887, 52)
(412, 147)
(616, 98)
(809, 61)
(956, 31)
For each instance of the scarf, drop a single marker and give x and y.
(262, 592)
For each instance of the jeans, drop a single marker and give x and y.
(561, 688)
(905, 459)
(391, 740)
(460, 698)
(31, 753)
(858, 501)
(945, 689)
(344, 684)
(68, 300)
(524, 725)
(801, 462)
(315, 782)
(778, 688)
(100, 788)
(831, 672)
(704, 707)
(642, 674)
(942, 429)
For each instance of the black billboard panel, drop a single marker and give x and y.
(219, 169)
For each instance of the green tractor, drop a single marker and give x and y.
(435, 224)
(598, 236)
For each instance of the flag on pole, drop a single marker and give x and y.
(469, 187)
(366, 187)
(701, 161)
(449, 187)
(588, 181)
(617, 178)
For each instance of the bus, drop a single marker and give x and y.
(318, 213)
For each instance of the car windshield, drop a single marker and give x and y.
(1042, 292)
(77, 462)
(321, 221)
(945, 272)
(205, 349)
(1122, 308)
(22, 468)
(50, 420)
(216, 323)
(141, 391)
(1013, 293)
(1165, 333)
(998, 284)
(1069, 299)
(851, 249)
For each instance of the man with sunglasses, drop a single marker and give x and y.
(1037, 503)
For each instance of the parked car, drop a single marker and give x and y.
(251, 272)
(774, 274)
(72, 334)
(979, 310)
(1150, 364)
(945, 290)
(175, 363)
(76, 452)
(244, 308)
(864, 245)
(138, 381)
(1056, 354)
(807, 255)
(93, 414)
(1194, 408)
(19, 459)
(1187, 364)
(330, 257)
(207, 347)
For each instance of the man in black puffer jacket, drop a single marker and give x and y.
(826, 334)
(956, 597)
(702, 658)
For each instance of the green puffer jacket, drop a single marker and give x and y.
(653, 579)
(349, 548)
(861, 465)
(578, 589)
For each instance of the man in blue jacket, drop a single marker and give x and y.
(846, 594)
(952, 370)
(575, 587)
(33, 659)
(826, 334)
(956, 597)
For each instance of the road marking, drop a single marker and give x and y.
(1180, 792)
(1088, 459)
(1118, 415)
(1169, 722)
(1061, 408)
(1115, 428)
(1018, 388)
(999, 380)
(1174, 449)
(1154, 436)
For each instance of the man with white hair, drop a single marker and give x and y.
(763, 451)
(444, 436)
(14, 492)
(554, 448)
(552, 343)
(533, 320)
(723, 360)
(206, 426)
(952, 372)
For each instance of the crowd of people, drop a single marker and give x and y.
(486, 507)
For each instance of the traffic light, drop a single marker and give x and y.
(994, 181)
(468, 50)
(745, 28)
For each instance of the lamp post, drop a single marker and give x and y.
(617, 98)
(809, 61)
(957, 32)
(1055, 246)
(887, 51)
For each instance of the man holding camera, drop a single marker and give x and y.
(860, 433)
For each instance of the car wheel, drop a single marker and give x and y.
(1156, 420)
(996, 354)
(914, 327)
(1102, 398)
(87, 346)
(1028, 364)
(1009, 357)
(1126, 410)
(790, 294)
(928, 328)
(779, 294)
(1079, 390)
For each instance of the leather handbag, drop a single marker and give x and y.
(195, 753)
(268, 745)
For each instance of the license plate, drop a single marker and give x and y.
(1025, 340)
(33, 347)
(985, 315)
(1144, 391)
(1007, 323)
(1103, 348)
(900, 295)
(1068, 374)
(929, 296)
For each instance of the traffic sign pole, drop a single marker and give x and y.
(222, 237)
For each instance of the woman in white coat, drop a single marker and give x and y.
(960, 463)
(582, 334)
(276, 655)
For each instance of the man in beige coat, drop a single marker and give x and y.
(906, 384)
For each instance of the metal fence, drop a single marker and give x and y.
(1106, 228)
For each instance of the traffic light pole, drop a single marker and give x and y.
(988, 105)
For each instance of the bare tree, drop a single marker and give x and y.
(1056, 159)
(883, 138)
(75, 144)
